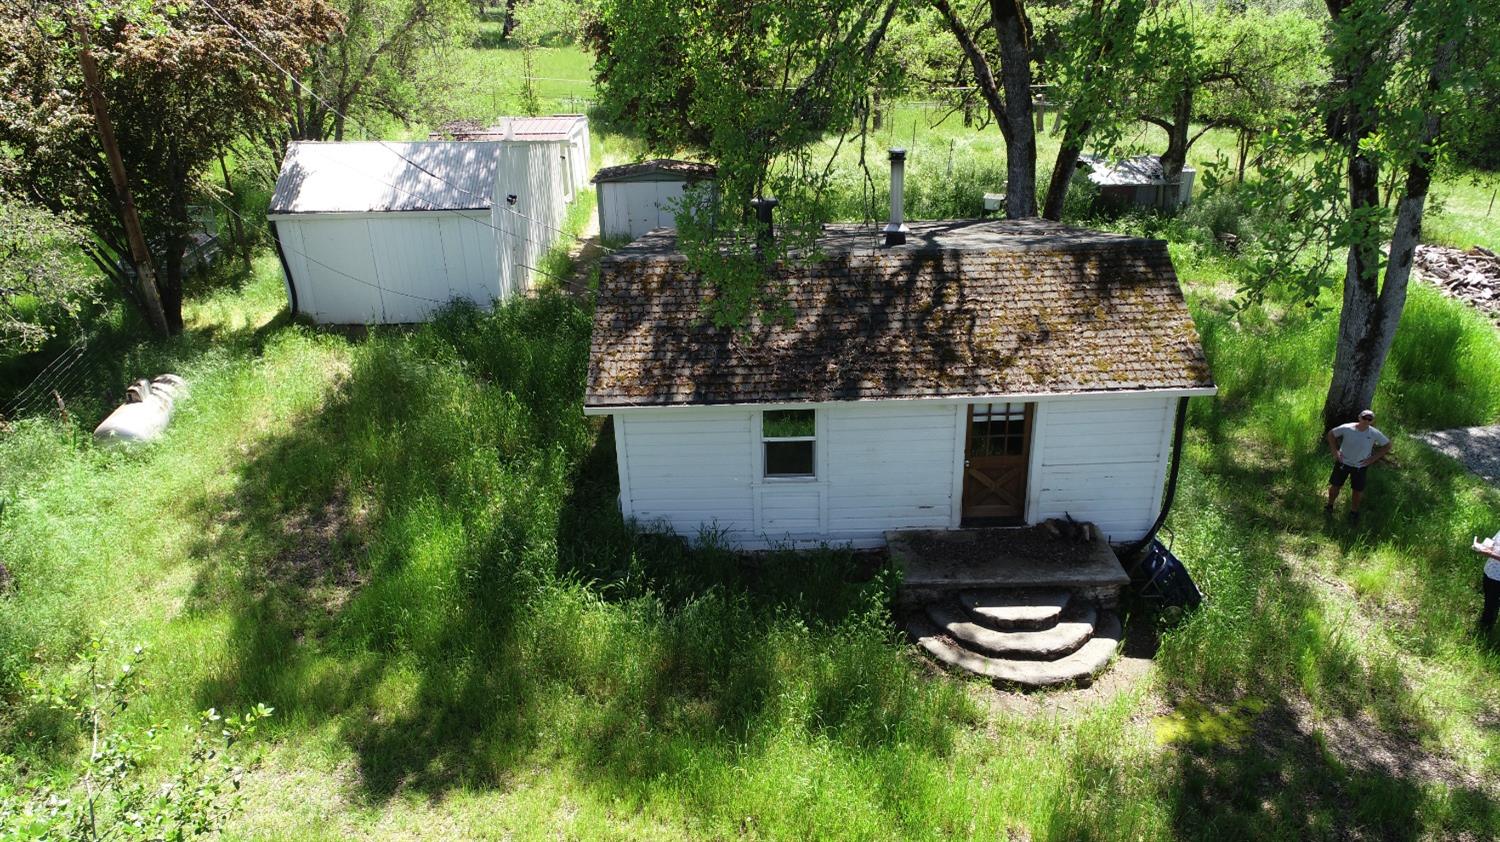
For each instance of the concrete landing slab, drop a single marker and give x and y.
(936, 563)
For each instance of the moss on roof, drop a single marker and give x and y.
(966, 309)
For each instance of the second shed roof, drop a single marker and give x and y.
(378, 176)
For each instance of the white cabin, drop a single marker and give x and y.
(636, 198)
(384, 232)
(987, 373)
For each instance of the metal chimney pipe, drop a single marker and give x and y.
(896, 230)
(765, 222)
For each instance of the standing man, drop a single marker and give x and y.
(1355, 448)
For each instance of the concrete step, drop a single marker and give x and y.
(1080, 666)
(1012, 610)
(1049, 644)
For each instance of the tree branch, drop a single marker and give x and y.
(984, 78)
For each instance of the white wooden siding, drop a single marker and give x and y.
(631, 208)
(884, 466)
(689, 471)
(390, 268)
(1102, 459)
(889, 467)
(880, 467)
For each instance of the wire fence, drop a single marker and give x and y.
(59, 383)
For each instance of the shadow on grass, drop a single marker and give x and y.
(1302, 610)
(434, 560)
(1281, 779)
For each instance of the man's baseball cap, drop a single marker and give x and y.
(1368, 413)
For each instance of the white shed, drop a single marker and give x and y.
(1140, 181)
(983, 373)
(636, 198)
(388, 232)
(570, 132)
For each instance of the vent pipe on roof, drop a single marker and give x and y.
(765, 225)
(896, 230)
(510, 128)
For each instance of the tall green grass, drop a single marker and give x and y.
(407, 542)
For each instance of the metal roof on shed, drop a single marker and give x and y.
(659, 169)
(1140, 170)
(553, 127)
(378, 176)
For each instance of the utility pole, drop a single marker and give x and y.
(145, 275)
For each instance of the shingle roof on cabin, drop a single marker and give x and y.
(965, 309)
(675, 169)
(376, 176)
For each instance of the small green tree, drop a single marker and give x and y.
(43, 277)
(1208, 66)
(111, 797)
(387, 60)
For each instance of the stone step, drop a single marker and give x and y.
(1009, 610)
(1081, 666)
(1048, 644)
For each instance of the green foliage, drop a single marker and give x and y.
(111, 797)
(389, 61)
(181, 87)
(752, 88)
(42, 281)
(548, 22)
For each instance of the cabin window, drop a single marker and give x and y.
(999, 429)
(789, 438)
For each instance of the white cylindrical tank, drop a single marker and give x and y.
(145, 413)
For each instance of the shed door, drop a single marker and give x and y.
(995, 460)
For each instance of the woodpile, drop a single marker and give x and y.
(1067, 529)
(1471, 276)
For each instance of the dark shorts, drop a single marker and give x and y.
(1342, 472)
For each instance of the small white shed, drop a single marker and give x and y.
(982, 373)
(1140, 182)
(636, 198)
(390, 232)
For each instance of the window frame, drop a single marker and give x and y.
(765, 474)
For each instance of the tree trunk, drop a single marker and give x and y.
(1367, 325)
(510, 19)
(236, 224)
(1064, 169)
(1175, 158)
(1012, 109)
(1244, 152)
(1010, 23)
(129, 218)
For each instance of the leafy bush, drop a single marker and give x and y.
(111, 798)
(1217, 212)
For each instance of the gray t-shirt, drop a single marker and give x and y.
(1357, 446)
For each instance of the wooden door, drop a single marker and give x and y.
(995, 460)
